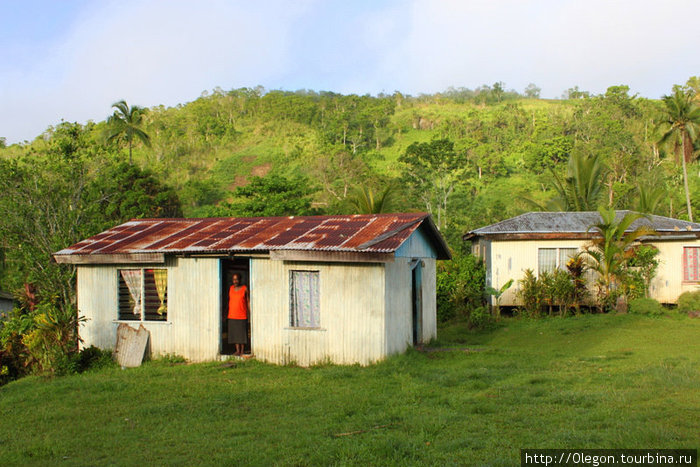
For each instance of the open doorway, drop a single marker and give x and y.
(229, 267)
(416, 301)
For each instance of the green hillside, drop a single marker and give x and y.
(468, 157)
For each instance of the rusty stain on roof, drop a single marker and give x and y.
(372, 233)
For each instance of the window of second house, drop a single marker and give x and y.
(549, 259)
(143, 294)
(304, 299)
(691, 264)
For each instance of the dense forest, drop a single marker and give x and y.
(469, 157)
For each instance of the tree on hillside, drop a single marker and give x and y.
(681, 123)
(432, 170)
(272, 195)
(532, 91)
(64, 193)
(125, 124)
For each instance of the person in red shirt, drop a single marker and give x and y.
(238, 306)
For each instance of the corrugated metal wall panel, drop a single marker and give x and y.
(352, 314)
(398, 331)
(193, 327)
(97, 301)
(194, 300)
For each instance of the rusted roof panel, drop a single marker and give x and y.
(542, 223)
(220, 235)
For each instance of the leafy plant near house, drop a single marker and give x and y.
(689, 302)
(530, 293)
(576, 266)
(643, 265)
(460, 286)
(646, 306)
(53, 341)
(496, 294)
(609, 253)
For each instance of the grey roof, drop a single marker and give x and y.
(578, 222)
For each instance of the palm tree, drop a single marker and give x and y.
(608, 252)
(364, 200)
(649, 198)
(125, 124)
(681, 122)
(580, 190)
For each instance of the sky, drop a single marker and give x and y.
(72, 59)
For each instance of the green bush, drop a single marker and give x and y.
(689, 301)
(94, 358)
(53, 341)
(460, 286)
(645, 306)
(479, 317)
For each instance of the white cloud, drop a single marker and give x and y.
(148, 53)
(153, 52)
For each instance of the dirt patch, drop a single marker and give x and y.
(261, 170)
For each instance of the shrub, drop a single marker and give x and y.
(13, 353)
(53, 341)
(689, 301)
(94, 358)
(530, 293)
(460, 286)
(479, 317)
(645, 306)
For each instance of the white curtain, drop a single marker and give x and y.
(132, 278)
(546, 259)
(304, 299)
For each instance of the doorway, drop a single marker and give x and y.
(416, 300)
(229, 267)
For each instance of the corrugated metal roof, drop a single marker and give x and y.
(577, 222)
(371, 233)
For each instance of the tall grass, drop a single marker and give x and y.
(589, 382)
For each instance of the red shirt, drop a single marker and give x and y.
(237, 303)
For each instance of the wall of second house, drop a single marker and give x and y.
(668, 283)
(510, 259)
(351, 313)
(193, 325)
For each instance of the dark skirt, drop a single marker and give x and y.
(237, 331)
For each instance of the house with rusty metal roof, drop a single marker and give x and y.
(544, 241)
(345, 289)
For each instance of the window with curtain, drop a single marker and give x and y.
(546, 260)
(549, 259)
(143, 295)
(304, 299)
(691, 263)
(564, 255)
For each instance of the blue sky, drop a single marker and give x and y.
(72, 59)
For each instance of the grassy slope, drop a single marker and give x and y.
(594, 381)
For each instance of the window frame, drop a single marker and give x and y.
(291, 308)
(557, 257)
(684, 265)
(143, 287)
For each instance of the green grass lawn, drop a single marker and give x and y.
(590, 382)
